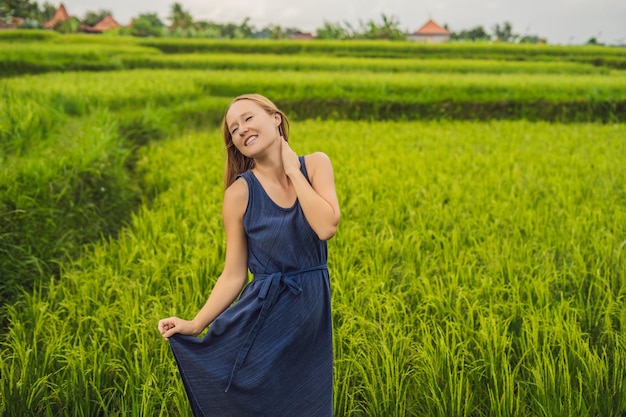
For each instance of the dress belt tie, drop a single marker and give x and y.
(270, 289)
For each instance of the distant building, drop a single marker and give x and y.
(430, 32)
(105, 24)
(60, 15)
(301, 35)
(14, 23)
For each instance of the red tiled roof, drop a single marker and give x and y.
(301, 35)
(60, 15)
(106, 24)
(431, 28)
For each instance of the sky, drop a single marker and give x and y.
(559, 21)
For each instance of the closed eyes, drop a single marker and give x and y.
(235, 129)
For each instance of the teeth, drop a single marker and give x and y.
(250, 139)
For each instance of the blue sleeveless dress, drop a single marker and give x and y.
(270, 353)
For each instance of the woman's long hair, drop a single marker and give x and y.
(236, 162)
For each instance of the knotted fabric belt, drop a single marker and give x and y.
(271, 287)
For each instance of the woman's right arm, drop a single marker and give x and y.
(235, 273)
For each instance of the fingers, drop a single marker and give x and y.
(290, 158)
(167, 327)
(169, 333)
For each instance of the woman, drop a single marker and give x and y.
(270, 353)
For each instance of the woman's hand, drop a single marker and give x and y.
(172, 325)
(291, 163)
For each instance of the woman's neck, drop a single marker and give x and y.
(272, 172)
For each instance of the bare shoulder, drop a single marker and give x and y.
(236, 198)
(318, 161)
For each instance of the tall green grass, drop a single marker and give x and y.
(353, 95)
(59, 196)
(266, 62)
(478, 270)
(479, 267)
(22, 35)
(613, 57)
(489, 238)
(65, 182)
(33, 58)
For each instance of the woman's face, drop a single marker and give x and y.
(252, 129)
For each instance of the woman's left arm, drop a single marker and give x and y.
(319, 198)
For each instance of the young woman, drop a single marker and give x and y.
(270, 353)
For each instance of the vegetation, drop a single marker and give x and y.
(389, 29)
(147, 25)
(92, 18)
(26, 10)
(594, 55)
(477, 33)
(183, 25)
(479, 268)
(225, 61)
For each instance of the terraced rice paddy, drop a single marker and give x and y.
(479, 268)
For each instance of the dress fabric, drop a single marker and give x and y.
(269, 354)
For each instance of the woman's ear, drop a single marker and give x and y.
(278, 119)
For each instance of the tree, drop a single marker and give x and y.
(33, 16)
(92, 18)
(229, 31)
(277, 32)
(69, 26)
(19, 8)
(6, 14)
(47, 11)
(208, 29)
(532, 39)
(245, 29)
(389, 29)
(332, 31)
(241, 31)
(181, 19)
(593, 41)
(147, 24)
(475, 34)
(504, 33)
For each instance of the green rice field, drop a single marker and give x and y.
(479, 268)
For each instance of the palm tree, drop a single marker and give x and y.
(181, 19)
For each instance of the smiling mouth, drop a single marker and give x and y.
(250, 140)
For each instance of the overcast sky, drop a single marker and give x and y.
(560, 21)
